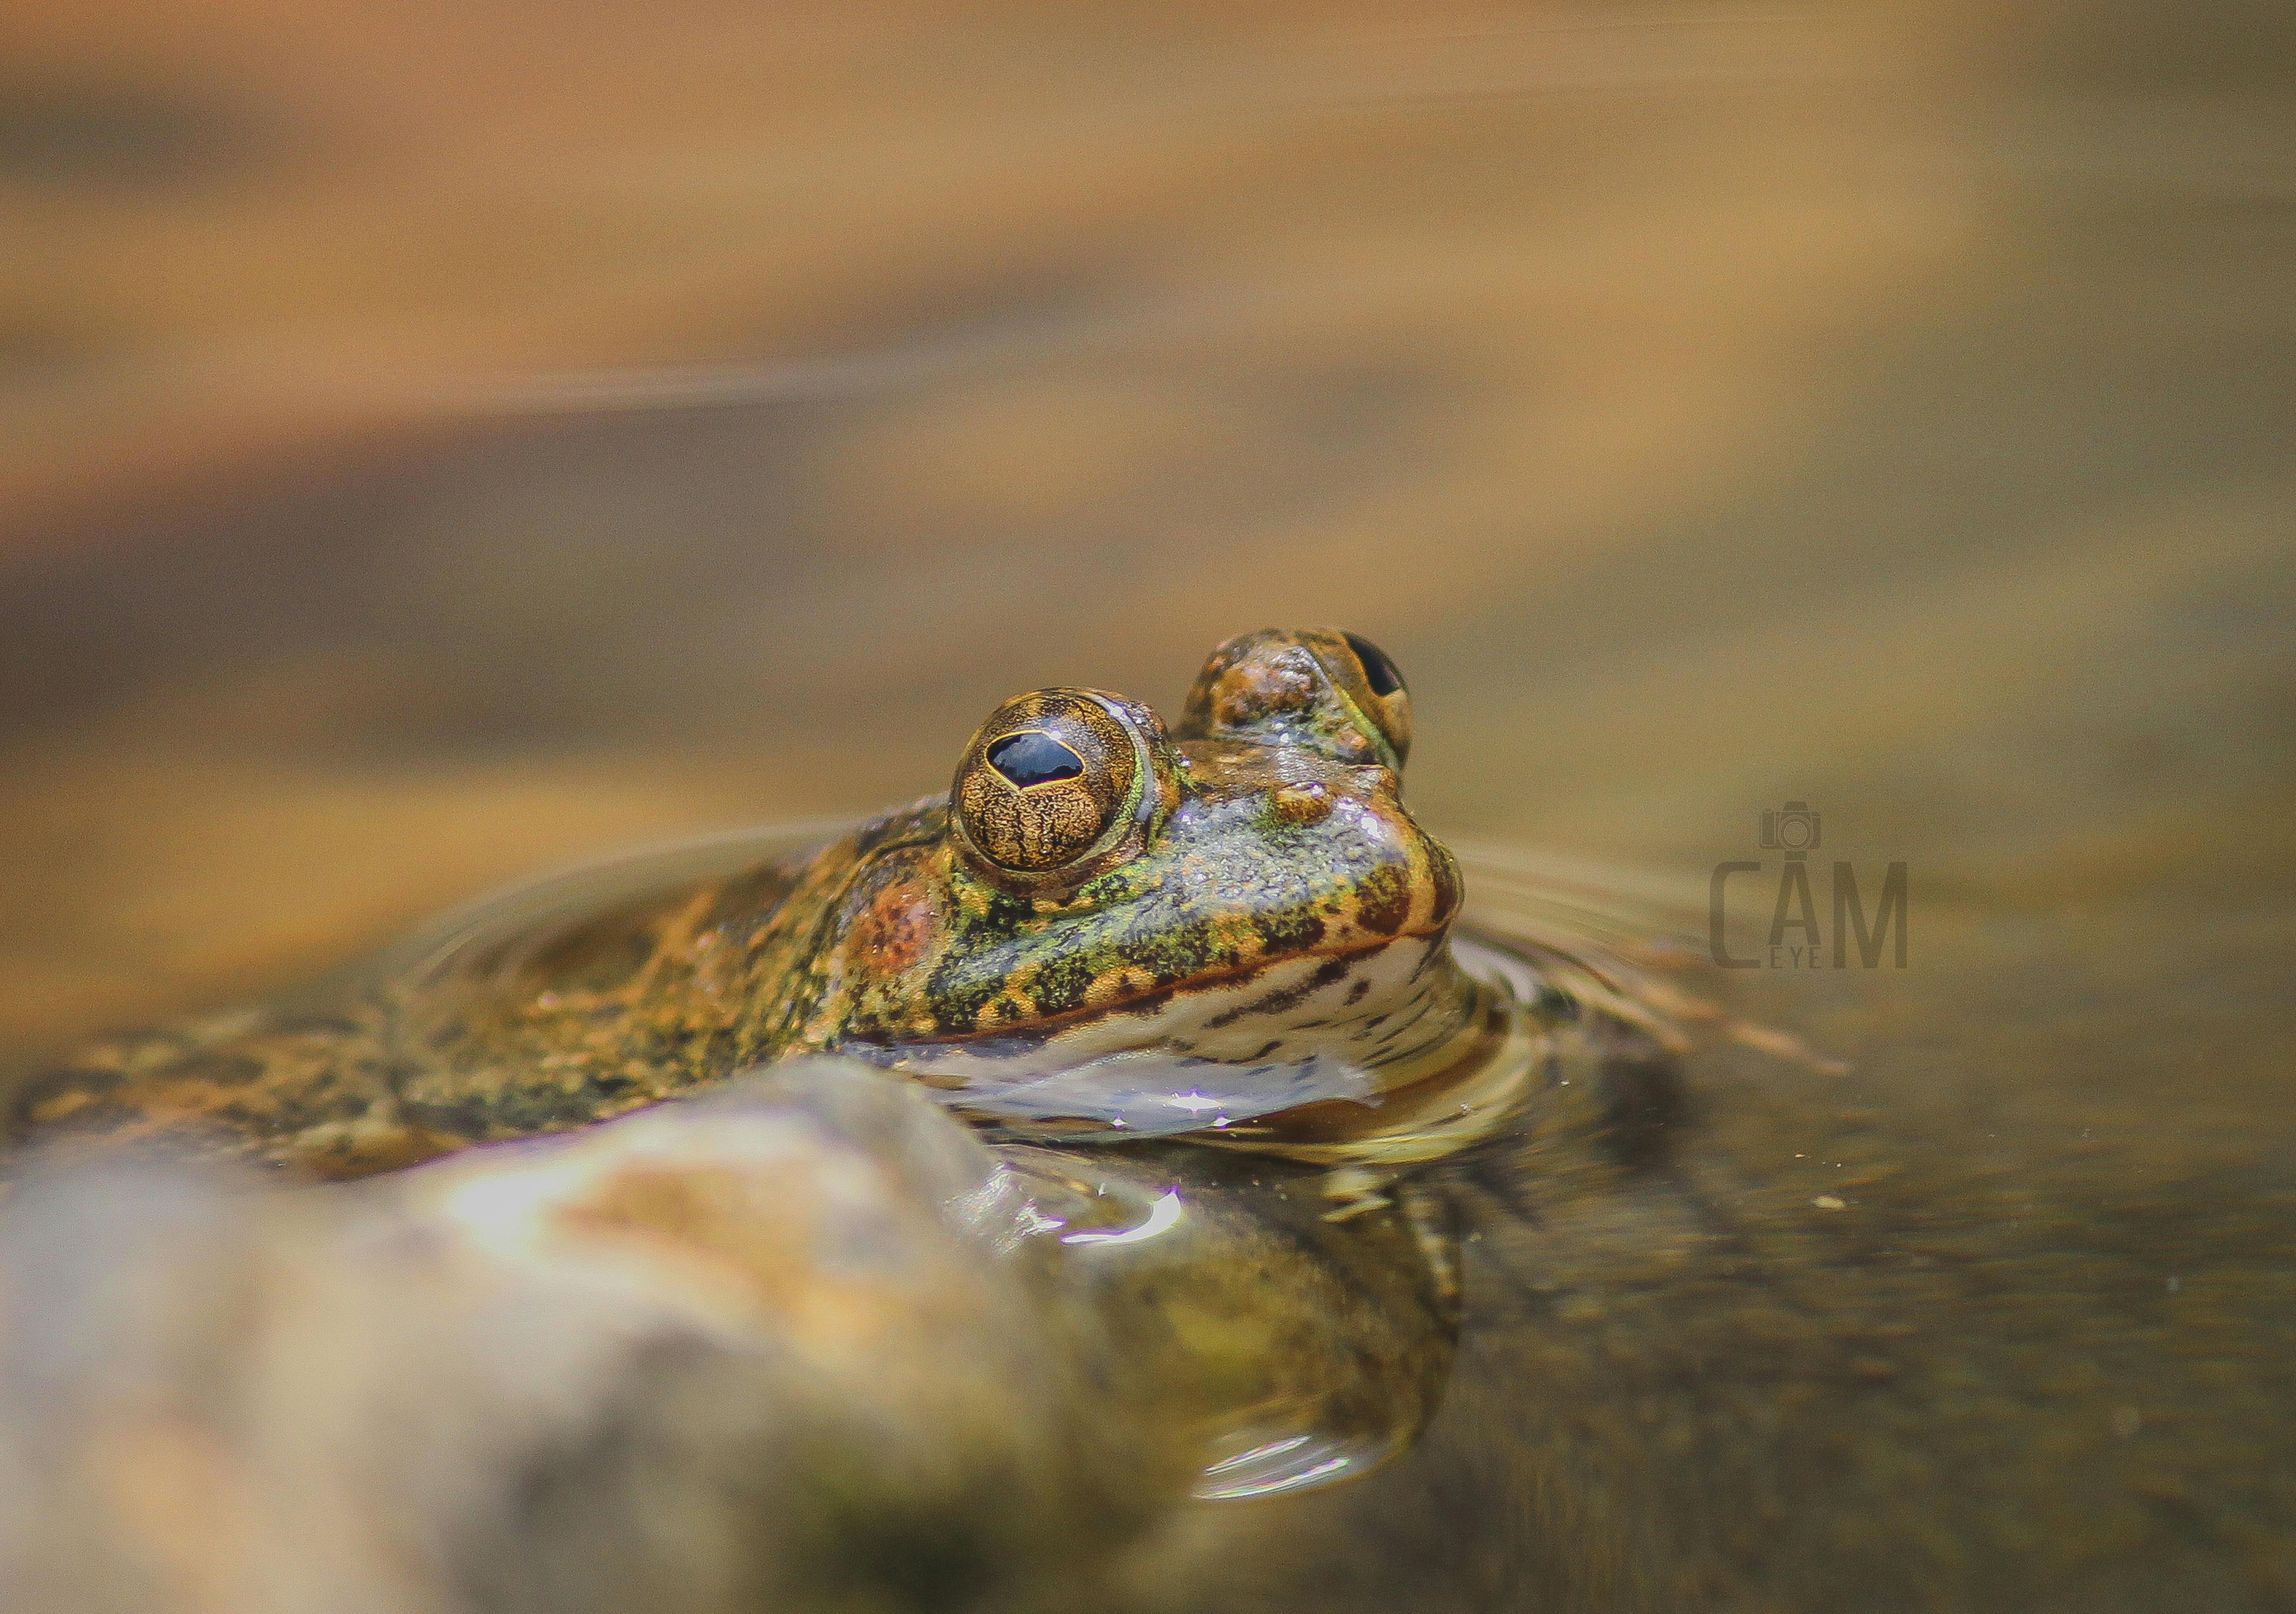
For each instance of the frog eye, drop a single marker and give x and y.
(1054, 780)
(1320, 688)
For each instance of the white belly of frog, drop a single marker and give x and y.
(1349, 1027)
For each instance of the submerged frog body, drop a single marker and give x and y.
(1236, 927)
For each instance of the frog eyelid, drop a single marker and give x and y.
(1367, 724)
(1138, 807)
(1372, 730)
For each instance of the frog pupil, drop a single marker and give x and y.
(1379, 672)
(1030, 757)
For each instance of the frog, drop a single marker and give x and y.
(1232, 926)
(1200, 999)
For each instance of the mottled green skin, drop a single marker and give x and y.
(1272, 830)
(893, 937)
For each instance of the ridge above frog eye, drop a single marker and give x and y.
(1320, 687)
(1061, 783)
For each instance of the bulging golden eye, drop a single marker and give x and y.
(1318, 687)
(1051, 780)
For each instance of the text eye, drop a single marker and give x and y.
(1034, 758)
(1379, 672)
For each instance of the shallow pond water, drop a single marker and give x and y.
(1997, 1317)
(1884, 413)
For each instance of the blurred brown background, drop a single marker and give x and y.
(442, 440)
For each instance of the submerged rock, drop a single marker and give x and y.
(750, 1353)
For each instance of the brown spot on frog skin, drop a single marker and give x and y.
(896, 927)
(1383, 900)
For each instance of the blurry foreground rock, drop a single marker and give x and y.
(732, 1355)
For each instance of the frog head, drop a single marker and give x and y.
(1100, 903)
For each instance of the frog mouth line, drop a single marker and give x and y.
(1349, 1025)
(1338, 964)
(1233, 1053)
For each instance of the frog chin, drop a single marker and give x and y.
(1347, 1026)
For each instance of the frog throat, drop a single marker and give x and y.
(1302, 1030)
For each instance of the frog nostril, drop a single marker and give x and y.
(1033, 756)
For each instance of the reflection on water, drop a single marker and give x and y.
(1944, 1328)
(1883, 411)
(1292, 1348)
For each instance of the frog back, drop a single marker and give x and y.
(571, 1000)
